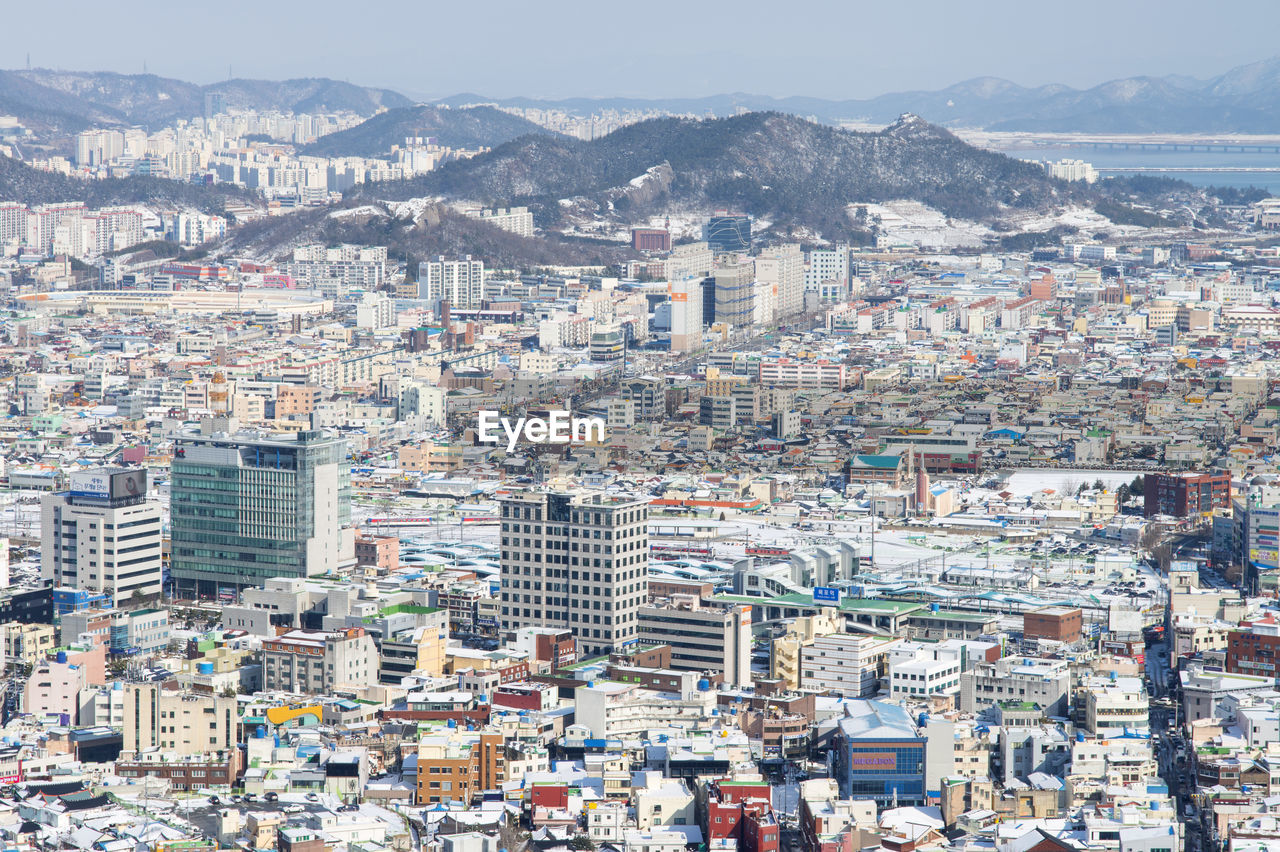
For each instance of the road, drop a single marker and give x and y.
(1165, 741)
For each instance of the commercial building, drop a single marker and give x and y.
(846, 663)
(1061, 624)
(1254, 649)
(702, 640)
(453, 765)
(103, 536)
(184, 723)
(880, 754)
(1044, 682)
(686, 314)
(728, 233)
(1115, 707)
(577, 562)
(249, 506)
(651, 239)
(1185, 495)
(317, 662)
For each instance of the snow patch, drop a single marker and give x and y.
(365, 210)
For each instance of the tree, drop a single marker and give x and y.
(229, 691)
(581, 841)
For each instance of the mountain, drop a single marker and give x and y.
(476, 127)
(19, 182)
(1245, 99)
(414, 232)
(68, 101)
(771, 165)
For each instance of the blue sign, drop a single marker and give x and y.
(826, 595)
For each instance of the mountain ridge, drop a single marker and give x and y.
(69, 101)
(1243, 99)
(771, 165)
(472, 127)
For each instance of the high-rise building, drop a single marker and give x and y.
(459, 281)
(783, 267)
(702, 639)
(249, 506)
(103, 535)
(828, 273)
(686, 314)
(576, 562)
(729, 233)
(735, 294)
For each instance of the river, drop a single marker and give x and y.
(1228, 169)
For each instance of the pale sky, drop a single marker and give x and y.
(646, 48)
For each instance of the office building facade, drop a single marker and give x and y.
(577, 562)
(702, 640)
(729, 233)
(248, 506)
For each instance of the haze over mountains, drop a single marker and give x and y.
(1245, 99)
(69, 101)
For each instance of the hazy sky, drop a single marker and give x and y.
(645, 48)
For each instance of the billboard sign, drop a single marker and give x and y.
(827, 595)
(91, 484)
(129, 483)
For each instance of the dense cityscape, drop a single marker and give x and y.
(384, 474)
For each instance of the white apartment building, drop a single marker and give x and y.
(686, 314)
(517, 220)
(788, 373)
(1113, 707)
(692, 260)
(461, 282)
(846, 663)
(783, 266)
(625, 710)
(103, 535)
(923, 676)
(576, 562)
(828, 273)
(335, 271)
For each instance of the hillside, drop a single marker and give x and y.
(771, 165)
(474, 127)
(415, 232)
(68, 101)
(19, 182)
(1241, 100)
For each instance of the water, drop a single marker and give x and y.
(1174, 164)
